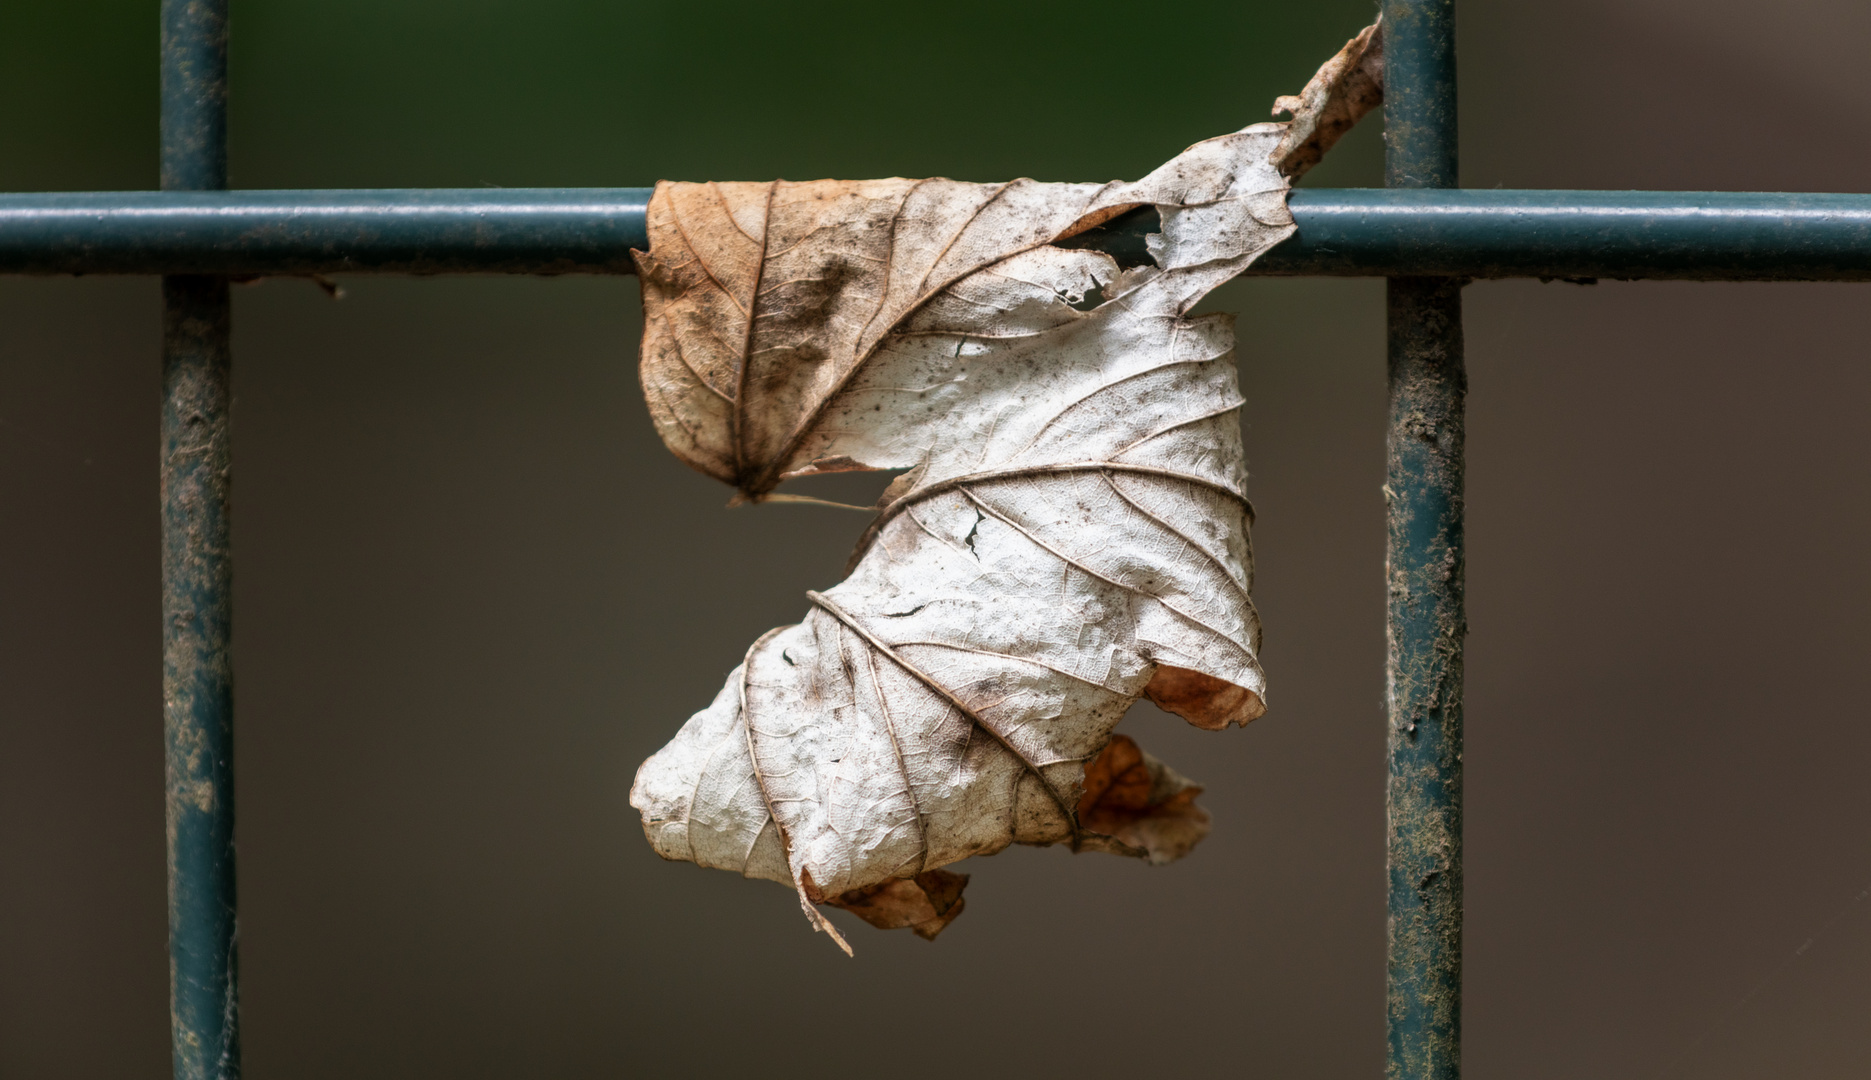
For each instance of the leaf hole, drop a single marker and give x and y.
(968, 540)
(1124, 238)
(1092, 298)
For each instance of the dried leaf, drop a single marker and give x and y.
(925, 903)
(1348, 86)
(1144, 805)
(1070, 533)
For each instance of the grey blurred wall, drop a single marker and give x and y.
(474, 592)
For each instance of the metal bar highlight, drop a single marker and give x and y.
(197, 571)
(1424, 566)
(1372, 232)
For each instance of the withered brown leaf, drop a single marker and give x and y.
(1070, 531)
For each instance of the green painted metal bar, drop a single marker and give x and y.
(1424, 568)
(245, 233)
(1676, 235)
(197, 572)
(1732, 236)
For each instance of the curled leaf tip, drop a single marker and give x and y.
(1347, 86)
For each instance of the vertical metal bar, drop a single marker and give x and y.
(1424, 567)
(197, 573)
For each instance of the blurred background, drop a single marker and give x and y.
(474, 592)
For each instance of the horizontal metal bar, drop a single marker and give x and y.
(397, 231)
(1345, 232)
(1684, 235)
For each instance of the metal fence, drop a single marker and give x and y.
(1421, 232)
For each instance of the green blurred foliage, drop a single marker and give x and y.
(426, 93)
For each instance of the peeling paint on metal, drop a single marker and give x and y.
(1426, 627)
(198, 678)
